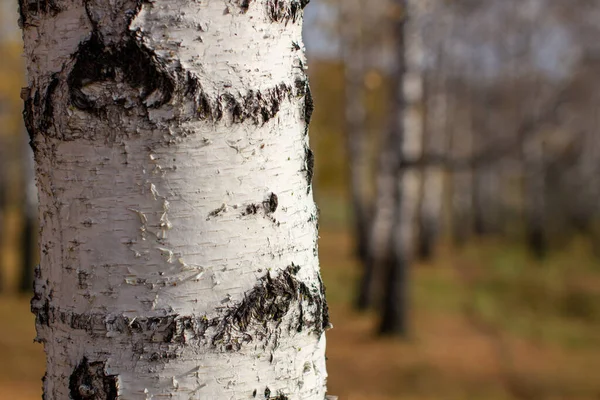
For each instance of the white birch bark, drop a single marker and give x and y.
(178, 228)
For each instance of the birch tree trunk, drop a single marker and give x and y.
(408, 121)
(355, 118)
(434, 117)
(462, 148)
(380, 256)
(178, 228)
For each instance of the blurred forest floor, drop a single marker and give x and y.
(487, 323)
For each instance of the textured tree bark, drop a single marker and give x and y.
(178, 228)
(29, 213)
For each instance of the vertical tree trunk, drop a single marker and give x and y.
(355, 118)
(479, 201)
(434, 143)
(379, 254)
(535, 197)
(462, 178)
(381, 217)
(178, 228)
(408, 124)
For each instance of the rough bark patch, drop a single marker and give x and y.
(270, 301)
(133, 63)
(285, 10)
(309, 105)
(280, 396)
(90, 382)
(258, 317)
(310, 167)
(29, 9)
(244, 5)
(38, 110)
(257, 106)
(269, 206)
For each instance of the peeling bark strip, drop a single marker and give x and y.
(174, 176)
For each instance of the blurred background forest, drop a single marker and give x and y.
(457, 170)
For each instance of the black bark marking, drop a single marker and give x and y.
(270, 301)
(217, 211)
(256, 106)
(244, 5)
(267, 392)
(250, 209)
(254, 393)
(269, 206)
(163, 356)
(285, 10)
(325, 321)
(271, 203)
(40, 303)
(90, 382)
(82, 279)
(300, 85)
(310, 167)
(38, 114)
(28, 9)
(130, 61)
(309, 105)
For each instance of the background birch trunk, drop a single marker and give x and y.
(380, 247)
(178, 228)
(462, 149)
(431, 32)
(355, 119)
(408, 121)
